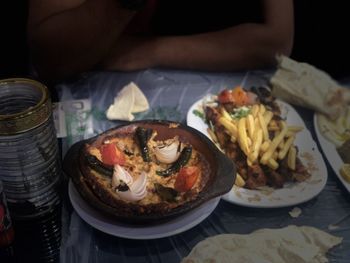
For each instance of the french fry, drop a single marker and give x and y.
(274, 144)
(292, 153)
(255, 135)
(250, 125)
(281, 145)
(263, 126)
(292, 130)
(272, 164)
(232, 129)
(225, 114)
(268, 116)
(257, 142)
(239, 180)
(265, 146)
(283, 125)
(242, 135)
(295, 129)
(256, 123)
(274, 155)
(249, 141)
(254, 110)
(249, 162)
(283, 152)
(262, 109)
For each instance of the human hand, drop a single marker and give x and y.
(131, 53)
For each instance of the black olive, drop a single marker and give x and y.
(143, 135)
(97, 165)
(180, 162)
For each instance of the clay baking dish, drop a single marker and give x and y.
(221, 178)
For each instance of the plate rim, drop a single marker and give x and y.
(242, 202)
(77, 200)
(329, 149)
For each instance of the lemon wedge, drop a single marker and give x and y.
(345, 172)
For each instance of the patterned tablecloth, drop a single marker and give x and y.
(171, 93)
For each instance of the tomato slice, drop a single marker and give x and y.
(111, 155)
(186, 178)
(240, 96)
(237, 96)
(225, 96)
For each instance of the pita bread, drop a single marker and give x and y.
(129, 100)
(304, 85)
(336, 131)
(285, 245)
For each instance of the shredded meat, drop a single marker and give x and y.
(275, 179)
(256, 177)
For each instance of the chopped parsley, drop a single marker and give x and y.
(240, 112)
(199, 114)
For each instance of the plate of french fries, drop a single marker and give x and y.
(278, 162)
(334, 138)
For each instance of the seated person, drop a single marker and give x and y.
(67, 37)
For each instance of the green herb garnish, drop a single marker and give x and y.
(199, 114)
(240, 112)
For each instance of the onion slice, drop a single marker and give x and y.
(120, 174)
(137, 188)
(168, 153)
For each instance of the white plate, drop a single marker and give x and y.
(113, 227)
(292, 193)
(331, 153)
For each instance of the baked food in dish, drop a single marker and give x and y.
(148, 170)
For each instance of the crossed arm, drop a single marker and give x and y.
(77, 38)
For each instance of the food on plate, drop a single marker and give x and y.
(304, 85)
(302, 244)
(344, 151)
(139, 173)
(248, 127)
(345, 172)
(338, 133)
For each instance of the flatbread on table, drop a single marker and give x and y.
(129, 100)
(305, 85)
(302, 244)
(336, 131)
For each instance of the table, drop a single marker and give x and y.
(170, 94)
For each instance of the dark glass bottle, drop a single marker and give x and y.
(6, 231)
(38, 239)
